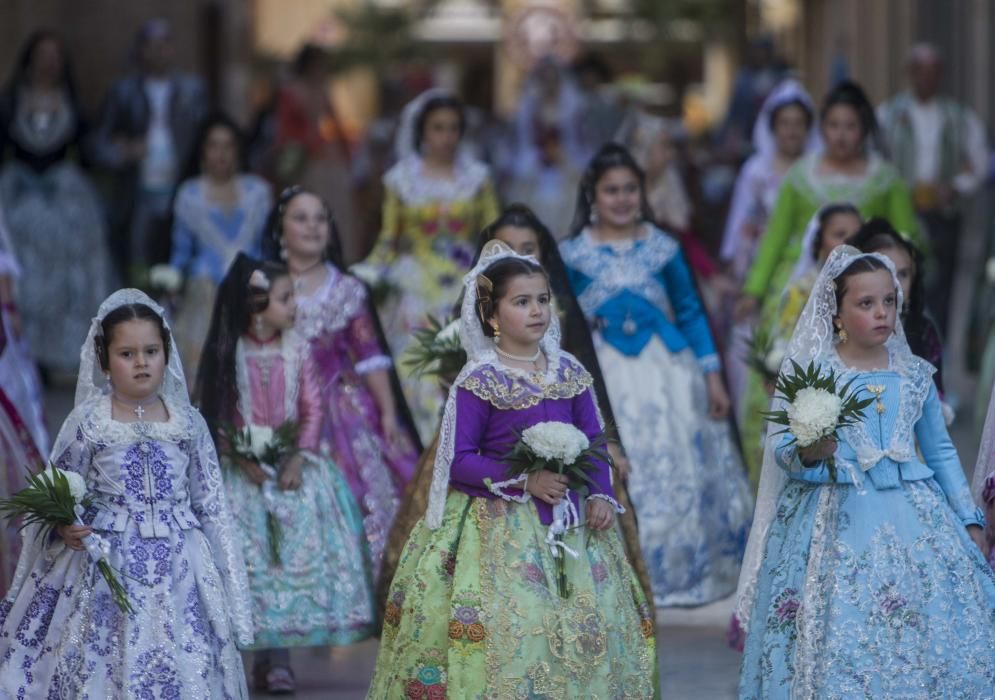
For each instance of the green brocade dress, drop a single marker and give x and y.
(474, 613)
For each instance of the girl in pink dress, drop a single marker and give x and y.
(366, 427)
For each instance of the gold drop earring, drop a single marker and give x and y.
(841, 332)
(497, 331)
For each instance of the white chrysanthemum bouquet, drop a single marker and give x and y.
(564, 449)
(269, 448)
(54, 498)
(437, 350)
(817, 406)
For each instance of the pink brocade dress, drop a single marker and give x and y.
(345, 347)
(309, 577)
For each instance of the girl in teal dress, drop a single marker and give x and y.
(474, 610)
(300, 529)
(871, 584)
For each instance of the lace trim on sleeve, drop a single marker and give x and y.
(604, 497)
(372, 364)
(498, 489)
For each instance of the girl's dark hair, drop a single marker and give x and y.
(855, 268)
(274, 227)
(877, 235)
(795, 102)
(608, 157)
(825, 214)
(492, 285)
(216, 390)
(122, 314)
(432, 105)
(20, 76)
(852, 95)
(218, 119)
(519, 216)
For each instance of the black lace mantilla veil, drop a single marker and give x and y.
(576, 339)
(333, 255)
(216, 388)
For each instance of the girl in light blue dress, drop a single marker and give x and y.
(872, 585)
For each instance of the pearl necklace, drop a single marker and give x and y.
(518, 358)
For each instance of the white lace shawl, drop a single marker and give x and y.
(813, 341)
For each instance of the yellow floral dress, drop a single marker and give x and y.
(426, 245)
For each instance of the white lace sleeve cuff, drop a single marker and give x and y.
(498, 489)
(604, 497)
(709, 363)
(372, 364)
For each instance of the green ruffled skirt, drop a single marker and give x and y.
(474, 612)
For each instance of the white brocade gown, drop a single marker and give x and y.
(159, 505)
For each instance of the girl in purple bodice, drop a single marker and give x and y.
(474, 609)
(365, 426)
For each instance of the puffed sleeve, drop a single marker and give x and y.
(184, 241)
(780, 226)
(385, 249)
(488, 204)
(208, 502)
(471, 470)
(689, 312)
(308, 407)
(364, 343)
(76, 456)
(940, 455)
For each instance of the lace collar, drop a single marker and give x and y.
(409, 182)
(509, 388)
(99, 426)
(332, 306)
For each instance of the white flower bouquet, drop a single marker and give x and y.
(562, 448)
(269, 448)
(165, 278)
(817, 406)
(437, 350)
(54, 498)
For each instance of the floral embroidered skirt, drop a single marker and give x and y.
(317, 589)
(687, 484)
(874, 595)
(474, 612)
(62, 636)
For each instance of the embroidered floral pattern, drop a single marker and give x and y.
(508, 391)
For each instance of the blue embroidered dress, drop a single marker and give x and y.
(654, 345)
(875, 589)
(157, 501)
(206, 239)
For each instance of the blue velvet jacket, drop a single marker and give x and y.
(906, 439)
(629, 294)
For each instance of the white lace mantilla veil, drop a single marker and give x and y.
(985, 466)
(92, 387)
(788, 90)
(806, 262)
(480, 353)
(404, 140)
(813, 341)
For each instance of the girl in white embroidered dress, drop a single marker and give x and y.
(159, 510)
